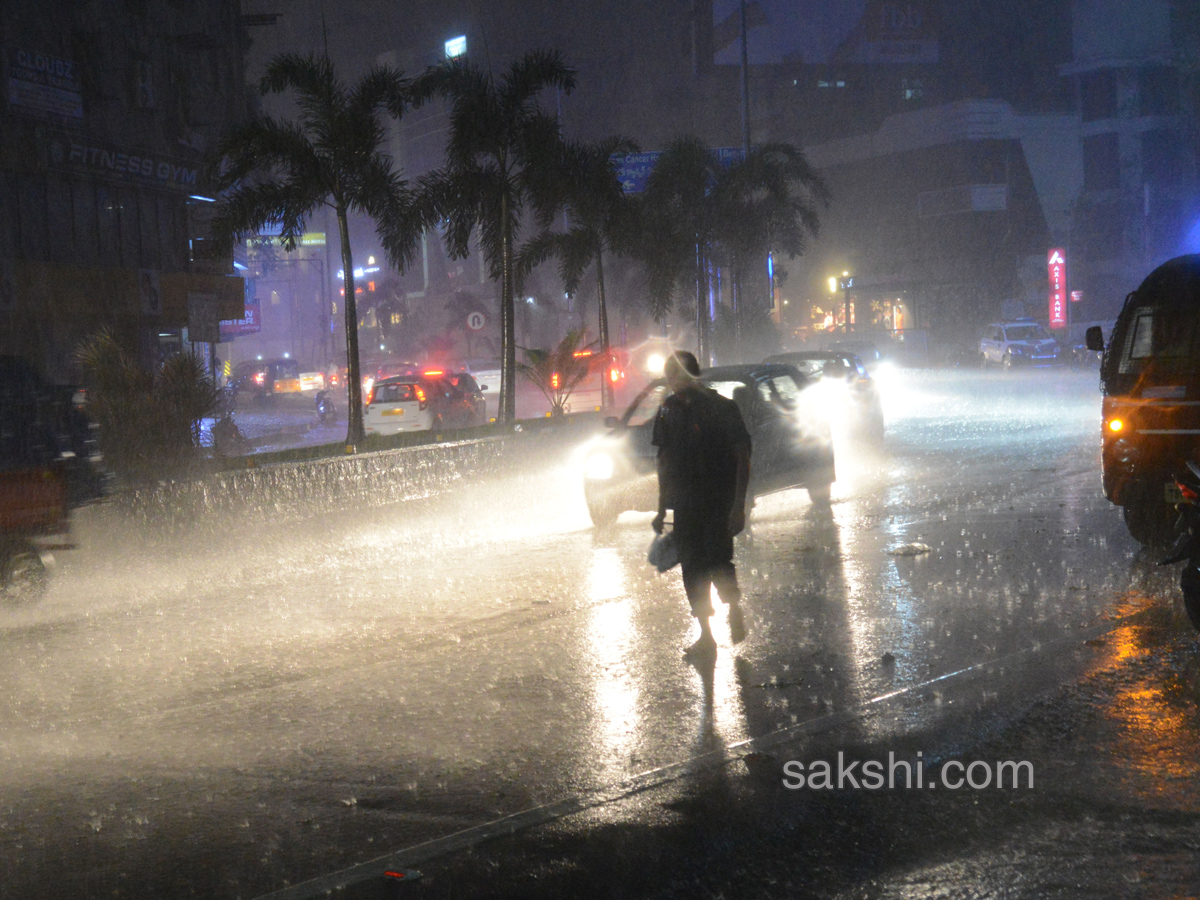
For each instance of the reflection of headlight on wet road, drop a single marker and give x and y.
(598, 467)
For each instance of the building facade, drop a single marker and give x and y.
(109, 111)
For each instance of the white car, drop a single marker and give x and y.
(397, 404)
(1021, 343)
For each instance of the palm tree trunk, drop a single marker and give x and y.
(354, 430)
(607, 401)
(508, 344)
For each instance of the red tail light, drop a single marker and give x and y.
(259, 377)
(434, 373)
(615, 375)
(420, 396)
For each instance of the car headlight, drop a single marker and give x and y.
(599, 467)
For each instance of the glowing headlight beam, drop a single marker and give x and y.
(599, 467)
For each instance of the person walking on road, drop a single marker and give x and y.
(703, 470)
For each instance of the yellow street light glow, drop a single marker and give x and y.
(1115, 425)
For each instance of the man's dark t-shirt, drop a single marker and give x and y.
(696, 433)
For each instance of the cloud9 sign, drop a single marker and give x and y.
(1056, 265)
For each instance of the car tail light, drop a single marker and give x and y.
(433, 373)
(259, 377)
(420, 396)
(370, 397)
(615, 375)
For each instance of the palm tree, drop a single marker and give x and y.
(557, 372)
(765, 204)
(677, 229)
(281, 173)
(696, 211)
(501, 158)
(600, 217)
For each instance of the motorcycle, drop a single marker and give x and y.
(228, 439)
(1187, 544)
(325, 411)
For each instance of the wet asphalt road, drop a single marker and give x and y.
(257, 704)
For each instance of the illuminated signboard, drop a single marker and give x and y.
(456, 46)
(1056, 270)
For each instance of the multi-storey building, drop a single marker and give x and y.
(108, 112)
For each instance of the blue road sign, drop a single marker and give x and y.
(633, 169)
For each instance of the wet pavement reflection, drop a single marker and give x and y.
(401, 673)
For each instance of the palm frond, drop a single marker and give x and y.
(531, 74)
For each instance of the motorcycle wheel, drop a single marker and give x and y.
(1189, 581)
(1150, 524)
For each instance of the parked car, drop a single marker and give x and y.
(266, 378)
(792, 445)
(845, 387)
(1020, 343)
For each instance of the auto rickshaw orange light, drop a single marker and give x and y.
(1115, 425)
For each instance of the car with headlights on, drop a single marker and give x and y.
(844, 387)
(1022, 343)
(792, 444)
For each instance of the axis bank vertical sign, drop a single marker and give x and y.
(1056, 265)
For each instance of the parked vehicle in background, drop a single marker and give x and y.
(1150, 379)
(261, 380)
(843, 386)
(1022, 343)
(792, 444)
(48, 464)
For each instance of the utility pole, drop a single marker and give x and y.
(736, 286)
(847, 283)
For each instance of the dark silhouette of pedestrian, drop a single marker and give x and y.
(703, 469)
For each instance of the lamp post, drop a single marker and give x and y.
(846, 282)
